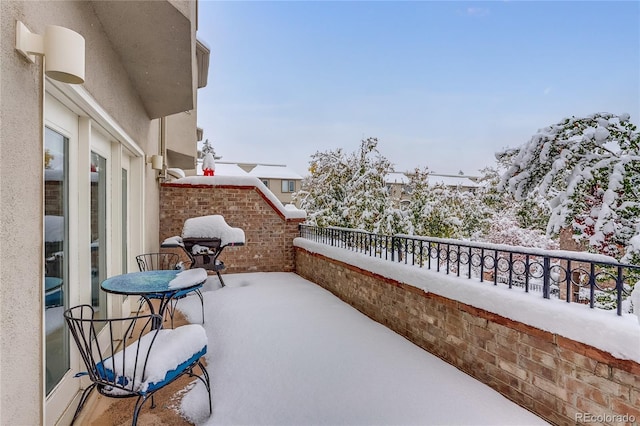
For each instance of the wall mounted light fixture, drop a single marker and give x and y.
(62, 48)
(156, 161)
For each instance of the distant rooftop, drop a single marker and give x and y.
(436, 179)
(268, 171)
(453, 180)
(395, 177)
(228, 169)
(264, 171)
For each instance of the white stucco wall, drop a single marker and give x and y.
(20, 230)
(21, 185)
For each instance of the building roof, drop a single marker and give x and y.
(273, 172)
(452, 180)
(395, 177)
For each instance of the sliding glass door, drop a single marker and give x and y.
(56, 255)
(99, 240)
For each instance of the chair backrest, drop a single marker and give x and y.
(115, 371)
(157, 261)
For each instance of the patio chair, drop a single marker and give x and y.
(158, 261)
(164, 261)
(151, 360)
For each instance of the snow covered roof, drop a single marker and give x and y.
(223, 169)
(274, 172)
(452, 181)
(289, 213)
(395, 177)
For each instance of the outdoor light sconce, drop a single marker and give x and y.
(156, 161)
(62, 48)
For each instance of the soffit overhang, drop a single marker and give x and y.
(179, 160)
(156, 44)
(203, 54)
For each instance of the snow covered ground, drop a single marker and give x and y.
(283, 351)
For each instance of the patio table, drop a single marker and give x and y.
(164, 285)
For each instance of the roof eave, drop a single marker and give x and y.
(156, 44)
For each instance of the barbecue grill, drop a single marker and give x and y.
(203, 239)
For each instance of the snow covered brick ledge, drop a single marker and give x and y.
(244, 203)
(551, 373)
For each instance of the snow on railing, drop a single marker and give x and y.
(597, 280)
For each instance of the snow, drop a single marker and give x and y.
(188, 278)
(242, 181)
(175, 173)
(266, 171)
(212, 226)
(395, 177)
(53, 228)
(284, 351)
(53, 319)
(54, 175)
(617, 335)
(208, 162)
(451, 181)
(589, 165)
(170, 348)
(225, 169)
(173, 241)
(635, 300)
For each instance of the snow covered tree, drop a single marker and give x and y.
(532, 212)
(420, 198)
(207, 148)
(590, 169)
(350, 191)
(441, 211)
(323, 191)
(505, 229)
(366, 197)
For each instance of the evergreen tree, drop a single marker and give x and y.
(324, 190)
(366, 197)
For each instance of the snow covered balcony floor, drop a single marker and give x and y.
(284, 351)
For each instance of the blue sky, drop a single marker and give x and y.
(440, 84)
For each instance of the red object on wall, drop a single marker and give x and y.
(208, 172)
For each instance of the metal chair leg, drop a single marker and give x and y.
(83, 399)
(141, 400)
(201, 303)
(220, 277)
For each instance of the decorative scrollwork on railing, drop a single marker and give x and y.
(595, 280)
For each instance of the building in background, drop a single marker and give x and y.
(281, 180)
(399, 184)
(80, 166)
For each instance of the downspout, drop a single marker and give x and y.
(162, 174)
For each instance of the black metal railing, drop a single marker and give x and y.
(597, 280)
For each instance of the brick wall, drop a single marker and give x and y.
(268, 234)
(559, 379)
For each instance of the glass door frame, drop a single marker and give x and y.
(92, 120)
(60, 119)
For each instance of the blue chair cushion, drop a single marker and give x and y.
(169, 355)
(180, 294)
